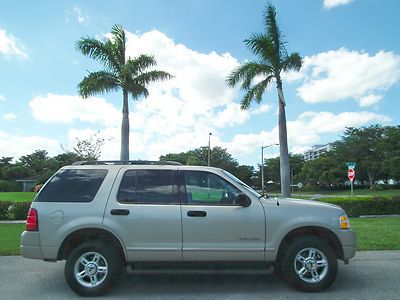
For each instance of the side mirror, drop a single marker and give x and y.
(243, 200)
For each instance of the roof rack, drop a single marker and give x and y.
(127, 162)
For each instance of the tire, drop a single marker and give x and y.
(309, 264)
(92, 268)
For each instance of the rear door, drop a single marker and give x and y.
(144, 211)
(214, 227)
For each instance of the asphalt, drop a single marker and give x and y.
(370, 275)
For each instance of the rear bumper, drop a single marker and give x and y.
(30, 245)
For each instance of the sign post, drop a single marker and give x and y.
(351, 174)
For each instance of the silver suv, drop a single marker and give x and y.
(103, 216)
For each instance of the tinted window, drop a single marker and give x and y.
(147, 187)
(209, 189)
(72, 186)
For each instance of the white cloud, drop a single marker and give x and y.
(328, 4)
(2, 98)
(66, 109)
(9, 117)
(336, 75)
(303, 132)
(16, 145)
(79, 14)
(11, 46)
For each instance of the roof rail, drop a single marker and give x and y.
(127, 162)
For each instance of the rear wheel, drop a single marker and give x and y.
(92, 268)
(309, 264)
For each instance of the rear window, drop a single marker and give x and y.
(72, 186)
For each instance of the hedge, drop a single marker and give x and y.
(10, 186)
(355, 207)
(14, 210)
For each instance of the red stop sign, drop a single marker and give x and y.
(351, 174)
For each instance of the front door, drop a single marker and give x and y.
(144, 211)
(214, 227)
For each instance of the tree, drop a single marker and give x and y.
(90, 148)
(273, 58)
(130, 75)
(37, 162)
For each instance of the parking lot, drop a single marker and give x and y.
(371, 275)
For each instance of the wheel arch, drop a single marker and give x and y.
(82, 235)
(319, 232)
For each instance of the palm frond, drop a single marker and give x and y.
(98, 83)
(153, 76)
(100, 51)
(255, 93)
(138, 64)
(137, 90)
(292, 62)
(246, 74)
(118, 43)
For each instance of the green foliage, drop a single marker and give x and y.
(10, 210)
(356, 207)
(10, 186)
(17, 196)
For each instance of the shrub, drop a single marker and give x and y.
(10, 186)
(19, 210)
(367, 206)
(14, 210)
(4, 208)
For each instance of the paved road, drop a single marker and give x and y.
(371, 275)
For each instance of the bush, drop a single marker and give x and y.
(10, 186)
(14, 210)
(4, 208)
(19, 210)
(367, 206)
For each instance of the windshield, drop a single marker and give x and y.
(237, 180)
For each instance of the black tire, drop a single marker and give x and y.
(314, 259)
(101, 267)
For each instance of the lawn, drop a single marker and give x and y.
(9, 238)
(377, 233)
(17, 196)
(372, 234)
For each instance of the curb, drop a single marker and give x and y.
(13, 222)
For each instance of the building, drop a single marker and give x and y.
(316, 151)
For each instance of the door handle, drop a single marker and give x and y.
(196, 213)
(119, 212)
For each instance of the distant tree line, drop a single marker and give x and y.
(375, 150)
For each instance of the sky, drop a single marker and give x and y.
(350, 75)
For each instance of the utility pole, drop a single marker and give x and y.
(262, 165)
(209, 149)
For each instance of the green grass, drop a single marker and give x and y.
(372, 234)
(377, 233)
(17, 196)
(9, 238)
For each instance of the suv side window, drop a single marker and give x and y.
(78, 185)
(206, 188)
(147, 187)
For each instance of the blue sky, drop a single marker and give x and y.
(350, 75)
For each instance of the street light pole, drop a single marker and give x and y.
(262, 166)
(209, 149)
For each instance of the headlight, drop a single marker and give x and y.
(344, 222)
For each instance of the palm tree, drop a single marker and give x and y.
(273, 58)
(129, 75)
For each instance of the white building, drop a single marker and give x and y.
(316, 151)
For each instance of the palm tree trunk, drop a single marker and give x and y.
(283, 145)
(125, 128)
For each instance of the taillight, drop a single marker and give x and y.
(32, 222)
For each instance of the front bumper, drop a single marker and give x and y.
(30, 245)
(348, 239)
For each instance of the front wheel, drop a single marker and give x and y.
(92, 268)
(309, 264)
